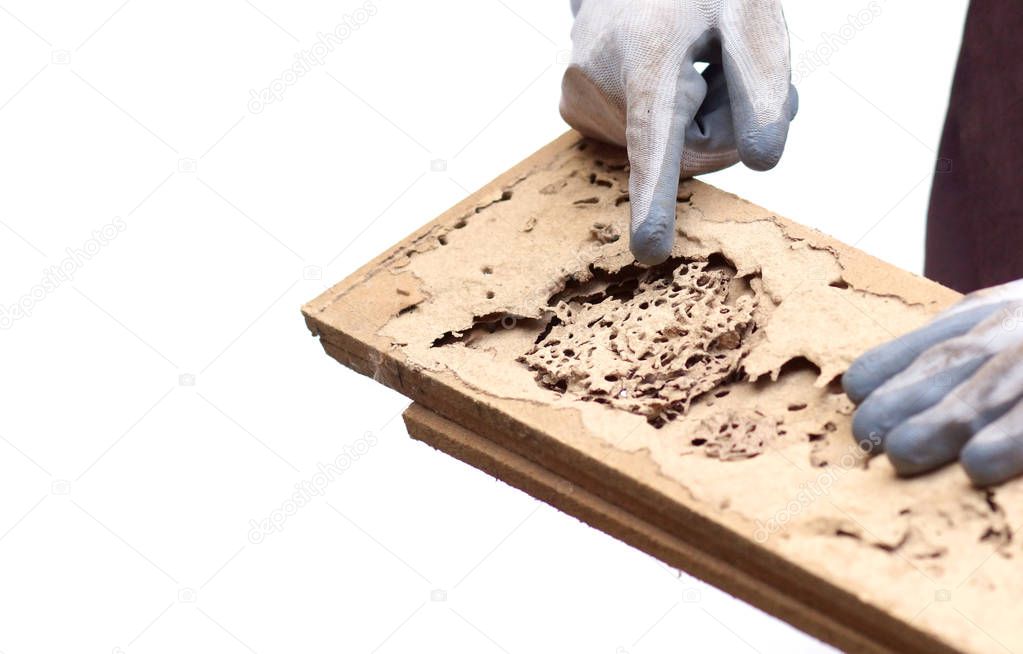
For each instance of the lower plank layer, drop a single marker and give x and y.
(561, 493)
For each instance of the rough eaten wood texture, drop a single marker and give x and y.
(760, 470)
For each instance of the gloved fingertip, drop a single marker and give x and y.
(990, 461)
(915, 447)
(793, 102)
(761, 149)
(859, 380)
(869, 429)
(906, 452)
(652, 241)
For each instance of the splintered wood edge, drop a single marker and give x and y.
(449, 437)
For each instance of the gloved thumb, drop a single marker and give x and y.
(660, 107)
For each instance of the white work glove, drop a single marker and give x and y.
(632, 83)
(953, 389)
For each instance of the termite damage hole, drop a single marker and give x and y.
(647, 340)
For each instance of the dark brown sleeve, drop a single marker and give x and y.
(975, 220)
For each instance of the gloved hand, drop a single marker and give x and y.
(953, 389)
(632, 83)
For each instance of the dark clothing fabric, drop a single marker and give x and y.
(975, 220)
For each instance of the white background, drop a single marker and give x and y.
(168, 393)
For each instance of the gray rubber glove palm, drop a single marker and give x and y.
(632, 82)
(953, 389)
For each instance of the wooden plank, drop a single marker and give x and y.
(714, 414)
(426, 426)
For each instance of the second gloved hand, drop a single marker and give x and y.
(632, 82)
(950, 390)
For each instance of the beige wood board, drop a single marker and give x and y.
(714, 415)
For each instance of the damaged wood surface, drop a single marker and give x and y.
(700, 397)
